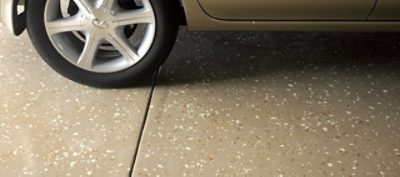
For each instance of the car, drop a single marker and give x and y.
(118, 43)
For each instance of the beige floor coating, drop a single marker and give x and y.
(276, 104)
(231, 104)
(50, 126)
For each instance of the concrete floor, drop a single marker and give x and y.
(231, 104)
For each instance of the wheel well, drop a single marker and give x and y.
(181, 13)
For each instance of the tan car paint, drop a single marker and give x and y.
(288, 9)
(385, 17)
(386, 10)
(198, 20)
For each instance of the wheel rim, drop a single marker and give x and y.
(104, 45)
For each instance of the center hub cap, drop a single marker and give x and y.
(100, 24)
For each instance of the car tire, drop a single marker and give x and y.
(166, 28)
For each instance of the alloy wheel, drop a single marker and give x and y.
(101, 36)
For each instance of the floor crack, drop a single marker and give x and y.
(147, 110)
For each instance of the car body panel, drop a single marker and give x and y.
(386, 10)
(384, 17)
(288, 9)
(198, 20)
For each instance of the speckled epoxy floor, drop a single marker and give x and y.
(50, 126)
(232, 104)
(276, 104)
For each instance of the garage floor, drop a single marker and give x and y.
(224, 104)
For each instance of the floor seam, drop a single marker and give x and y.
(146, 114)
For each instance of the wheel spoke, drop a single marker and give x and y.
(89, 52)
(84, 6)
(68, 24)
(109, 4)
(139, 16)
(122, 44)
